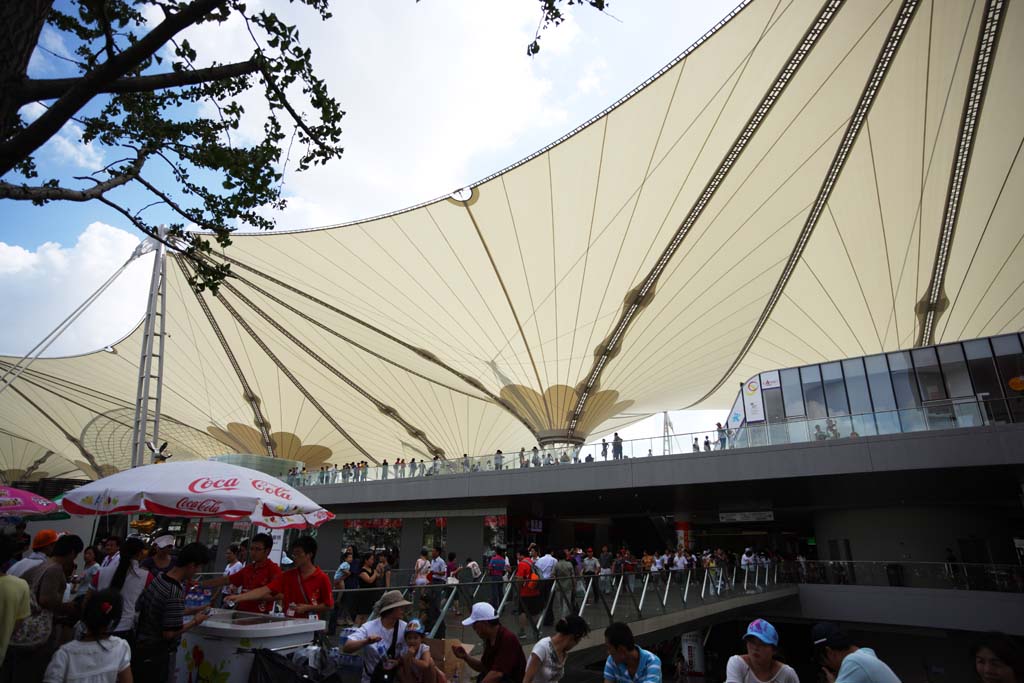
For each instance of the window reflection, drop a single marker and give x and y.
(966, 384)
(835, 389)
(986, 382)
(954, 369)
(792, 395)
(814, 394)
(1010, 363)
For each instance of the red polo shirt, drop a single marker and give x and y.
(255, 576)
(315, 588)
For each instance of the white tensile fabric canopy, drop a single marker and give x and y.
(813, 180)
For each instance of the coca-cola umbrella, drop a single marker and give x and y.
(213, 490)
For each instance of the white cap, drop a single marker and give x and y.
(482, 611)
(163, 541)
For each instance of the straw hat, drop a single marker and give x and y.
(390, 600)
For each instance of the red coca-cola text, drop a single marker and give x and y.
(208, 484)
(271, 489)
(206, 506)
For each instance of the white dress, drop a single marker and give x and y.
(738, 671)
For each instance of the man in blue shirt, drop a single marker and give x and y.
(628, 662)
(844, 662)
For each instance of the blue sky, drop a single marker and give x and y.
(439, 94)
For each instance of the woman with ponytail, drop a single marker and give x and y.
(98, 657)
(128, 579)
(547, 660)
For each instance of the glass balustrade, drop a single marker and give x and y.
(934, 415)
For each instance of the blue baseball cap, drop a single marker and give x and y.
(763, 631)
(415, 626)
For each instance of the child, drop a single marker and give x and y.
(98, 656)
(417, 666)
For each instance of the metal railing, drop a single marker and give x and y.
(1002, 578)
(531, 608)
(933, 415)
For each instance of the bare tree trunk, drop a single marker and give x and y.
(23, 21)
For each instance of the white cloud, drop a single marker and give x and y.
(42, 286)
(590, 81)
(67, 146)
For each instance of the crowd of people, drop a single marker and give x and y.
(121, 617)
(538, 456)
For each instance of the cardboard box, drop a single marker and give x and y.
(446, 661)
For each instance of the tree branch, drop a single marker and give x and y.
(51, 88)
(44, 193)
(291, 110)
(27, 141)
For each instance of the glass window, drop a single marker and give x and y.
(903, 382)
(835, 389)
(954, 369)
(929, 378)
(887, 420)
(983, 370)
(1010, 362)
(791, 393)
(880, 382)
(774, 410)
(814, 393)
(857, 386)
(987, 386)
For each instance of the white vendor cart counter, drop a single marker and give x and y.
(220, 649)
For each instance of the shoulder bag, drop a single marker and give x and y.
(35, 629)
(380, 674)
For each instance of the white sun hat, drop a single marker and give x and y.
(482, 611)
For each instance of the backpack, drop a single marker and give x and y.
(533, 583)
(35, 629)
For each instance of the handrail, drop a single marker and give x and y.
(935, 415)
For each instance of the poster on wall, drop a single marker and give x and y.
(752, 401)
(770, 380)
(277, 551)
(736, 416)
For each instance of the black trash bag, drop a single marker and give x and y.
(271, 667)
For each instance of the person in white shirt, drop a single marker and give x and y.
(843, 662)
(421, 569)
(417, 664)
(547, 659)
(98, 657)
(545, 564)
(129, 580)
(438, 567)
(112, 548)
(42, 546)
(759, 664)
(380, 639)
(233, 567)
(748, 559)
(474, 568)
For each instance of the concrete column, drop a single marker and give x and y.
(465, 537)
(329, 539)
(410, 542)
(223, 541)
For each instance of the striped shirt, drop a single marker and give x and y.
(647, 671)
(161, 607)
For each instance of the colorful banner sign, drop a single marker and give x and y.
(752, 401)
